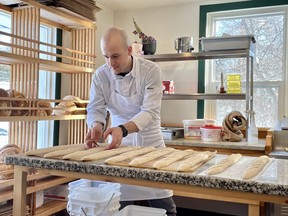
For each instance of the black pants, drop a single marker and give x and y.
(165, 203)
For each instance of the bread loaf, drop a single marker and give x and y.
(18, 103)
(76, 100)
(42, 112)
(6, 150)
(70, 106)
(255, 167)
(5, 103)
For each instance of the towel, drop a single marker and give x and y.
(232, 125)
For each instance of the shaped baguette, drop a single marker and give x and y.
(151, 156)
(129, 155)
(224, 164)
(108, 153)
(195, 159)
(255, 167)
(64, 152)
(77, 156)
(175, 156)
(42, 151)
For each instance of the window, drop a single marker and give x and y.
(268, 25)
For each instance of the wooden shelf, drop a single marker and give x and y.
(9, 58)
(50, 207)
(243, 53)
(39, 118)
(203, 96)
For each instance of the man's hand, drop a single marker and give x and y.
(93, 135)
(117, 136)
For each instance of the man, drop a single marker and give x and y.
(130, 88)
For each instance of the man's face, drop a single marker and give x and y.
(116, 55)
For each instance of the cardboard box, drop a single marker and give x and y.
(59, 192)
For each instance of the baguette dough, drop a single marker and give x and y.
(64, 151)
(151, 156)
(39, 152)
(108, 153)
(255, 167)
(224, 164)
(129, 155)
(193, 160)
(175, 156)
(77, 156)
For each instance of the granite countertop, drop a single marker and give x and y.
(243, 145)
(273, 181)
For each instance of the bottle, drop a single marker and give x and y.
(252, 129)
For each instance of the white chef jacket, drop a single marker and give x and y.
(139, 93)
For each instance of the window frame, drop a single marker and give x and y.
(203, 28)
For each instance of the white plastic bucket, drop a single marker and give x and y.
(210, 133)
(192, 128)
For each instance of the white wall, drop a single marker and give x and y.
(166, 24)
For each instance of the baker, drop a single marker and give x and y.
(130, 88)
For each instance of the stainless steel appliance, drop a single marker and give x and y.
(184, 44)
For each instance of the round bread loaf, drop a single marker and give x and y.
(76, 100)
(4, 103)
(6, 150)
(18, 103)
(65, 108)
(42, 112)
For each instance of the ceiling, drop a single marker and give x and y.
(138, 4)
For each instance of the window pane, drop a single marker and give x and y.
(269, 32)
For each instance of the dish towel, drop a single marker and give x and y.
(232, 125)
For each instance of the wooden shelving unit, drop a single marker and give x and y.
(23, 54)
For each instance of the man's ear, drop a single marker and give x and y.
(129, 50)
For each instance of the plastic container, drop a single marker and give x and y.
(192, 128)
(228, 43)
(233, 83)
(252, 130)
(88, 197)
(210, 133)
(133, 210)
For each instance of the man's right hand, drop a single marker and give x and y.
(93, 135)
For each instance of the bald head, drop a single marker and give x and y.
(114, 35)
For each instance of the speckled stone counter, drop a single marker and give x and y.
(274, 181)
(243, 145)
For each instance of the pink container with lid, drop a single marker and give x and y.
(210, 133)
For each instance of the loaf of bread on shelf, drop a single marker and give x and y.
(41, 104)
(5, 103)
(18, 103)
(70, 106)
(9, 149)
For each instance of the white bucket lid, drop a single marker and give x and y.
(194, 122)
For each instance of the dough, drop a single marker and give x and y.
(5, 103)
(255, 167)
(175, 156)
(64, 151)
(39, 152)
(108, 153)
(151, 156)
(129, 155)
(224, 164)
(18, 103)
(193, 160)
(77, 156)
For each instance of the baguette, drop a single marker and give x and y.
(193, 160)
(38, 152)
(175, 156)
(255, 167)
(129, 155)
(64, 151)
(77, 156)
(151, 156)
(224, 164)
(108, 153)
